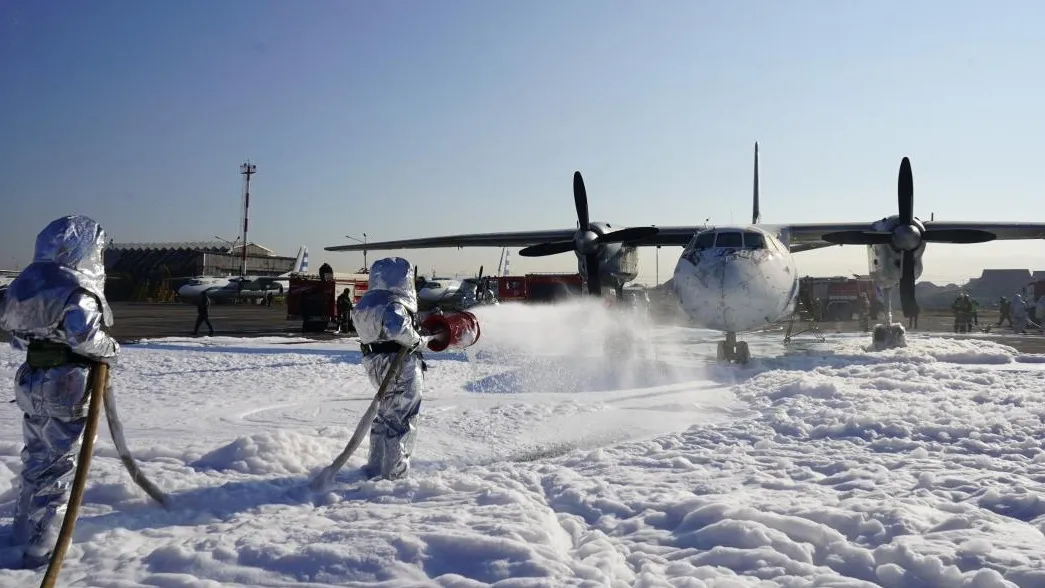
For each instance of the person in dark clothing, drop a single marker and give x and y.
(344, 311)
(203, 314)
(1005, 309)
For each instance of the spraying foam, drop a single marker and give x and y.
(574, 346)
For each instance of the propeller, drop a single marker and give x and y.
(907, 236)
(586, 241)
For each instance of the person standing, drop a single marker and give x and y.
(386, 320)
(203, 314)
(56, 311)
(344, 311)
(1005, 311)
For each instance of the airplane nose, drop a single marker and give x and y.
(730, 292)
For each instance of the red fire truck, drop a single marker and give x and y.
(540, 287)
(835, 298)
(312, 298)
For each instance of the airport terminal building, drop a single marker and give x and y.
(154, 271)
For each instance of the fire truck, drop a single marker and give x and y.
(312, 298)
(539, 287)
(835, 298)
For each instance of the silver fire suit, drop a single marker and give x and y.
(55, 309)
(385, 319)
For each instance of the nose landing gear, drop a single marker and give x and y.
(733, 351)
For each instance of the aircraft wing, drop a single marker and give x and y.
(678, 236)
(809, 236)
(1002, 231)
(800, 237)
(505, 239)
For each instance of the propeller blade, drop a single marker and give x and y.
(542, 249)
(858, 238)
(591, 264)
(907, 298)
(958, 236)
(580, 200)
(905, 193)
(630, 234)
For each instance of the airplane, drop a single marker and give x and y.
(231, 288)
(742, 278)
(449, 293)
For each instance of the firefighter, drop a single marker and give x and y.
(386, 320)
(864, 310)
(962, 312)
(1019, 314)
(1041, 311)
(344, 311)
(56, 310)
(1005, 310)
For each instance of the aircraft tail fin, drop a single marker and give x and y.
(301, 263)
(756, 215)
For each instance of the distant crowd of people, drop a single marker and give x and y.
(1018, 313)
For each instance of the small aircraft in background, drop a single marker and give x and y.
(742, 278)
(448, 293)
(242, 287)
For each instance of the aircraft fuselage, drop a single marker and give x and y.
(735, 279)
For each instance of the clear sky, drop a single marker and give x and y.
(406, 119)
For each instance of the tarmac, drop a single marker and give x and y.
(134, 321)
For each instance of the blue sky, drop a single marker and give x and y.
(404, 119)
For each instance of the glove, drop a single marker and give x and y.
(422, 343)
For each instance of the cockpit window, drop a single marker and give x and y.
(754, 240)
(705, 240)
(731, 239)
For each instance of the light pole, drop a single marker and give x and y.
(247, 169)
(231, 244)
(366, 267)
(232, 249)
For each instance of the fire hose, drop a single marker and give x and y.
(99, 384)
(454, 330)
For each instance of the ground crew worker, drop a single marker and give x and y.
(203, 314)
(56, 310)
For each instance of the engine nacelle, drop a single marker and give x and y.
(884, 262)
(456, 330)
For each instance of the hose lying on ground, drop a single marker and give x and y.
(116, 430)
(324, 477)
(99, 377)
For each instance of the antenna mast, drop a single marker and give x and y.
(247, 169)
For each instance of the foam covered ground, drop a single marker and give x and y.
(545, 461)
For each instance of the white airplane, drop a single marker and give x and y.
(450, 293)
(225, 289)
(737, 279)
